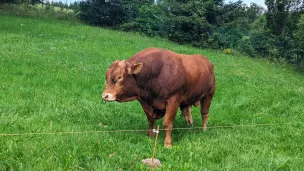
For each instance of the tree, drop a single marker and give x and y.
(102, 12)
(186, 20)
(253, 12)
(75, 6)
(109, 12)
(299, 35)
(283, 14)
(299, 32)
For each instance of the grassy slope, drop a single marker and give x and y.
(54, 71)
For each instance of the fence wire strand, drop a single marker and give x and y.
(136, 130)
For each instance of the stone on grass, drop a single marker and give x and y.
(156, 163)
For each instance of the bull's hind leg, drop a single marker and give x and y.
(187, 114)
(205, 105)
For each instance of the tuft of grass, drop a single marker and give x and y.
(54, 72)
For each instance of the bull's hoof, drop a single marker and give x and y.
(189, 122)
(204, 129)
(188, 119)
(151, 134)
(168, 145)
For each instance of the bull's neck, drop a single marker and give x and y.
(131, 89)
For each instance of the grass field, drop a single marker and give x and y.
(52, 74)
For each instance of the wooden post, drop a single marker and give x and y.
(154, 150)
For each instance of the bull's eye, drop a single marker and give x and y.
(118, 79)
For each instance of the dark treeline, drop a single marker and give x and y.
(276, 33)
(19, 1)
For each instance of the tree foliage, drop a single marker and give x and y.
(109, 12)
(19, 1)
(103, 13)
(299, 32)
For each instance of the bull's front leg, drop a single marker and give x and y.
(149, 113)
(171, 110)
(151, 126)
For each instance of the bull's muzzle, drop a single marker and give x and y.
(108, 97)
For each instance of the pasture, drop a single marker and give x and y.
(52, 74)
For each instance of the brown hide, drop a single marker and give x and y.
(163, 81)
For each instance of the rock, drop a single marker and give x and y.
(156, 163)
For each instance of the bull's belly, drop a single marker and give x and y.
(159, 106)
(158, 114)
(193, 100)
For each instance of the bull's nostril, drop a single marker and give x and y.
(108, 97)
(105, 96)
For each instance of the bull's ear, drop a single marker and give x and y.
(135, 68)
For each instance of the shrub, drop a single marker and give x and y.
(25, 10)
(150, 21)
(103, 13)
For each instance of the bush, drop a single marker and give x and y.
(245, 46)
(25, 10)
(112, 13)
(183, 29)
(299, 35)
(150, 21)
(103, 13)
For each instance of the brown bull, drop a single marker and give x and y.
(163, 81)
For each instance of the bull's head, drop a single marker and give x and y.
(120, 83)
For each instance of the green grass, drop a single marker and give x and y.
(54, 71)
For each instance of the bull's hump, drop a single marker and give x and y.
(146, 53)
